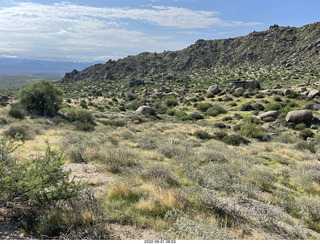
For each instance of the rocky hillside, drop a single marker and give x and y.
(284, 47)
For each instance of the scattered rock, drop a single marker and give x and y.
(15, 105)
(277, 86)
(110, 93)
(146, 110)
(166, 89)
(245, 84)
(312, 94)
(135, 82)
(316, 107)
(97, 93)
(299, 116)
(287, 92)
(272, 113)
(214, 89)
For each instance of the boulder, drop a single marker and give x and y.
(146, 110)
(15, 105)
(299, 116)
(277, 86)
(135, 82)
(245, 84)
(312, 94)
(214, 89)
(316, 107)
(110, 93)
(97, 93)
(272, 113)
(165, 89)
(122, 95)
(287, 92)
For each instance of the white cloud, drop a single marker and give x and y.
(84, 33)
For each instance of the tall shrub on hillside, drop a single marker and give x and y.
(41, 98)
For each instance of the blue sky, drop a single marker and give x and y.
(83, 30)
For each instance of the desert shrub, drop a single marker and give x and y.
(187, 229)
(305, 146)
(83, 104)
(203, 107)
(237, 116)
(235, 140)
(233, 104)
(148, 144)
(34, 183)
(277, 99)
(201, 134)
(114, 122)
(41, 97)
(258, 106)
(218, 135)
(273, 106)
(287, 138)
(23, 131)
(3, 121)
(159, 174)
(182, 116)
(246, 107)
(196, 116)
(259, 95)
(310, 211)
(227, 118)
(170, 112)
(219, 125)
(253, 131)
(169, 150)
(84, 121)
(227, 99)
(215, 110)
(160, 107)
(251, 120)
(134, 105)
(264, 177)
(170, 101)
(119, 159)
(304, 134)
(16, 113)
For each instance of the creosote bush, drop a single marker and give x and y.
(16, 113)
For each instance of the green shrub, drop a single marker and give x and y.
(254, 131)
(170, 112)
(41, 97)
(219, 125)
(273, 106)
(83, 119)
(3, 121)
(219, 135)
(235, 140)
(134, 105)
(203, 107)
(170, 101)
(215, 110)
(196, 116)
(182, 116)
(16, 113)
(246, 107)
(304, 134)
(23, 131)
(37, 182)
(201, 134)
(302, 146)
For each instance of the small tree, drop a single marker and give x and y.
(41, 97)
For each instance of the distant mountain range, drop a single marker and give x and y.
(33, 66)
(284, 47)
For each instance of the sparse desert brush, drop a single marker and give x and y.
(122, 191)
(159, 201)
(305, 146)
(24, 131)
(158, 174)
(215, 110)
(201, 134)
(16, 113)
(235, 140)
(116, 160)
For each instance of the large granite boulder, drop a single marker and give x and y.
(312, 94)
(299, 116)
(146, 110)
(272, 113)
(214, 89)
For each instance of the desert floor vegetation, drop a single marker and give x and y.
(223, 174)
